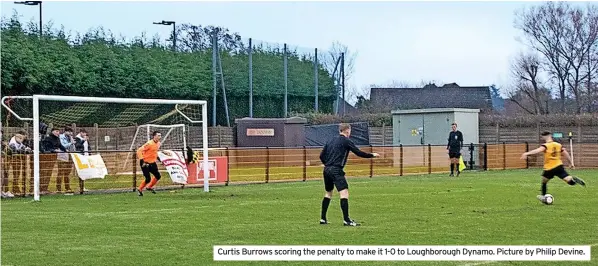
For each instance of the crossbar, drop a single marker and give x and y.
(114, 100)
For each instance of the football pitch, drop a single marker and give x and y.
(180, 227)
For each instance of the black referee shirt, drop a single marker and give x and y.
(336, 152)
(455, 141)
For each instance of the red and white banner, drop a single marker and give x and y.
(175, 165)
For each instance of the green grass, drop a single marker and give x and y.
(180, 228)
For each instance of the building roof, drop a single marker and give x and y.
(431, 96)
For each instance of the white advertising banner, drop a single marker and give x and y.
(89, 166)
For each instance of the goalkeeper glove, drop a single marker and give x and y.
(143, 164)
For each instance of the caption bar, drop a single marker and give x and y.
(402, 253)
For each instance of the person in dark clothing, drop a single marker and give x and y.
(453, 148)
(334, 157)
(51, 146)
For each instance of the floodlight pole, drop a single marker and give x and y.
(168, 23)
(35, 3)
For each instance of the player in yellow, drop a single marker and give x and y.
(553, 165)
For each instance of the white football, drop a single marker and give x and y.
(548, 199)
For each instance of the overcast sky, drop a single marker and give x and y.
(469, 43)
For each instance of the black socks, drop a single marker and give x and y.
(571, 182)
(452, 168)
(345, 208)
(543, 189)
(325, 203)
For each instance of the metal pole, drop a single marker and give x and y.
(316, 80)
(222, 84)
(250, 79)
(343, 80)
(286, 85)
(174, 36)
(204, 135)
(36, 146)
(214, 77)
(41, 32)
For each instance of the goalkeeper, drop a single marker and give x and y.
(148, 155)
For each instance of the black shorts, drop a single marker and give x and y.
(151, 168)
(557, 171)
(334, 176)
(454, 154)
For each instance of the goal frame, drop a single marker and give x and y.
(36, 145)
(148, 127)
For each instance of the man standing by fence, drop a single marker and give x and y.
(454, 146)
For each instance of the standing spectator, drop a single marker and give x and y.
(18, 150)
(51, 146)
(82, 146)
(64, 165)
(5, 154)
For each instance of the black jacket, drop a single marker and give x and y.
(80, 144)
(52, 143)
(336, 151)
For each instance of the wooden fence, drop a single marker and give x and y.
(220, 137)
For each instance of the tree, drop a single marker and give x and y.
(193, 38)
(526, 89)
(566, 38)
(581, 38)
(99, 64)
(544, 28)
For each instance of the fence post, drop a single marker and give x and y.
(97, 134)
(471, 161)
(219, 136)
(527, 159)
(23, 165)
(504, 155)
(119, 135)
(429, 158)
(401, 160)
(485, 157)
(267, 164)
(383, 134)
(134, 170)
(371, 162)
(227, 166)
(304, 163)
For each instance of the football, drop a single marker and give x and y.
(548, 199)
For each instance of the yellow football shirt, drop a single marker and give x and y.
(552, 155)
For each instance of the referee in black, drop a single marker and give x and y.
(453, 147)
(334, 157)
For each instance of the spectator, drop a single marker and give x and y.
(5, 163)
(82, 142)
(64, 165)
(18, 159)
(82, 146)
(51, 146)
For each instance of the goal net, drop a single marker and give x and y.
(115, 129)
(174, 137)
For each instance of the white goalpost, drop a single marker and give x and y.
(178, 110)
